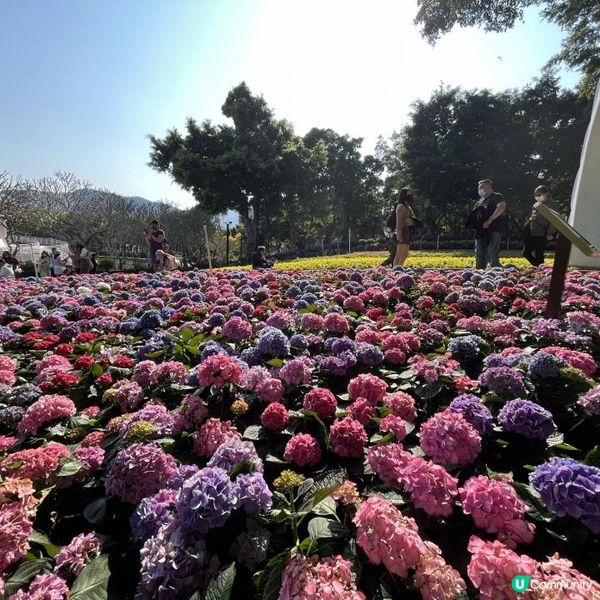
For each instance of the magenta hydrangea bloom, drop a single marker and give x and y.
(322, 401)
(449, 439)
(303, 450)
(44, 587)
(348, 437)
(212, 434)
(138, 471)
(15, 528)
(128, 394)
(275, 416)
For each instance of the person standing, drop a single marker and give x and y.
(44, 264)
(538, 231)
(488, 218)
(84, 260)
(6, 269)
(155, 238)
(390, 235)
(404, 221)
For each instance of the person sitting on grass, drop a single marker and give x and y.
(260, 260)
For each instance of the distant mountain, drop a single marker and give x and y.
(140, 202)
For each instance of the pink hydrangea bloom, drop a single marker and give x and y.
(303, 450)
(435, 579)
(561, 578)
(237, 329)
(387, 536)
(7, 363)
(254, 377)
(7, 377)
(362, 410)
(220, 369)
(190, 414)
(172, 371)
(144, 373)
(297, 371)
(34, 463)
(212, 434)
(270, 390)
(44, 587)
(78, 553)
(346, 493)
(312, 322)
(53, 361)
(394, 424)
(46, 409)
(316, 578)
(275, 416)
(401, 405)
(495, 507)
(449, 439)
(348, 437)
(367, 386)
(128, 394)
(322, 401)
(336, 323)
(15, 528)
(6, 441)
(493, 567)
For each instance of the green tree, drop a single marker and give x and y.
(580, 19)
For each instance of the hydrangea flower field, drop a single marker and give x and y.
(344, 434)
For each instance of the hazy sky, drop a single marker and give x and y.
(85, 81)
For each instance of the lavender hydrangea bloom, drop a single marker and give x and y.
(510, 360)
(338, 365)
(6, 334)
(254, 494)
(151, 513)
(11, 415)
(174, 564)
(273, 342)
(182, 473)
(232, 453)
(502, 380)
(474, 411)
(466, 347)
(206, 500)
(590, 402)
(157, 414)
(568, 487)
(526, 418)
(545, 365)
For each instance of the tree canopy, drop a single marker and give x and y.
(580, 19)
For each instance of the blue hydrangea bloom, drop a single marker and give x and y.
(474, 411)
(526, 418)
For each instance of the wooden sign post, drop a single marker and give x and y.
(567, 236)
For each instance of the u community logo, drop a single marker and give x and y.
(520, 583)
(523, 583)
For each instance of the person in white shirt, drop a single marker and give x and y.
(6, 269)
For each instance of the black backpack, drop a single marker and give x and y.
(391, 220)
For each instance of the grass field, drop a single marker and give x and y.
(448, 259)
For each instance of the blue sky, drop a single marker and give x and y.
(85, 81)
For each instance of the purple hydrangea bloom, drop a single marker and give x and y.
(568, 487)
(182, 473)
(297, 371)
(11, 415)
(590, 402)
(174, 564)
(157, 414)
(338, 365)
(466, 347)
(337, 345)
(510, 360)
(526, 418)
(206, 500)
(474, 411)
(6, 334)
(232, 453)
(502, 380)
(254, 494)
(545, 365)
(78, 553)
(138, 471)
(153, 512)
(368, 354)
(273, 342)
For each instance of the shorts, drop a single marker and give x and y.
(404, 236)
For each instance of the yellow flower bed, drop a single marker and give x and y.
(365, 260)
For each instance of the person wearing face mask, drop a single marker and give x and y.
(488, 219)
(405, 219)
(538, 231)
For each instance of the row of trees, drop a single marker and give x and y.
(318, 187)
(66, 208)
